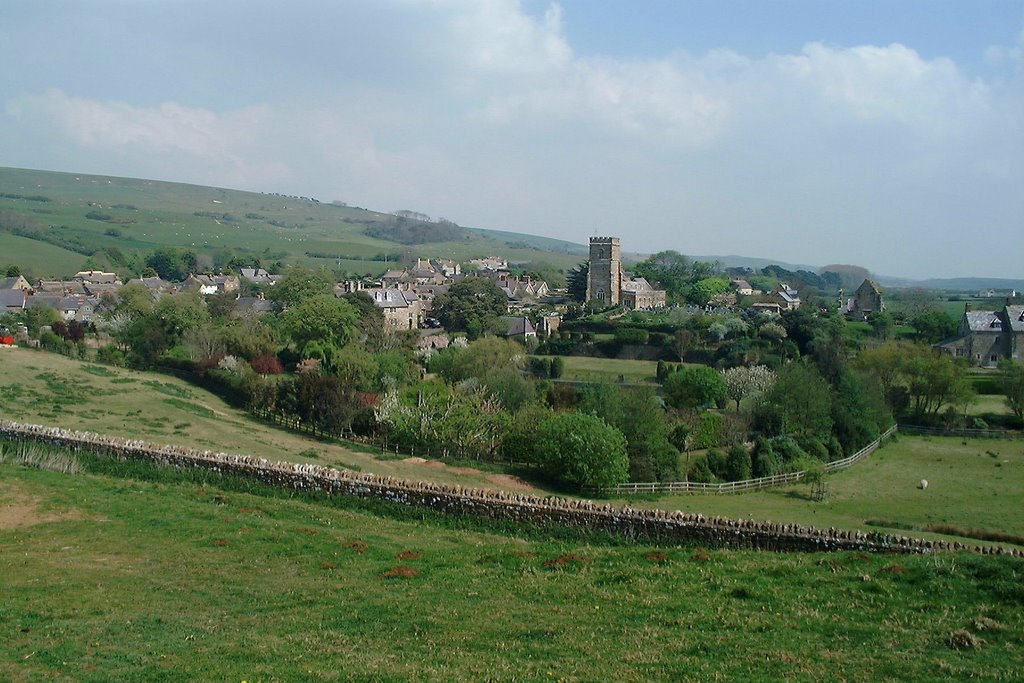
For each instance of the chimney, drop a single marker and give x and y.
(967, 307)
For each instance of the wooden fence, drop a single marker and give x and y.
(972, 433)
(746, 484)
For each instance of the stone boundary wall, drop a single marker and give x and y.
(655, 525)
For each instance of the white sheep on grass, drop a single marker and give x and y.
(923, 485)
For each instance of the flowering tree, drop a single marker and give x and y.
(743, 381)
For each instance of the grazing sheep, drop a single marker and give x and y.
(923, 485)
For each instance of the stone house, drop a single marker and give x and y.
(402, 310)
(865, 301)
(986, 337)
(15, 282)
(786, 297)
(211, 284)
(519, 327)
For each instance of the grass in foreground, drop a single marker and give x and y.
(107, 578)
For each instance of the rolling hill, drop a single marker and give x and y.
(50, 223)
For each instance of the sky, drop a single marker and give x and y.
(886, 134)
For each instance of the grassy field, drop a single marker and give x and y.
(972, 483)
(46, 388)
(587, 369)
(37, 257)
(147, 214)
(110, 578)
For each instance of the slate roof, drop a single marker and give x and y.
(519, 326)
(1015, 314)
(12, 298)
(392, 298)
(983, 321)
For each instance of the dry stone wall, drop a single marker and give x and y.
(655, 525)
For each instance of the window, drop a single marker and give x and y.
(600, 294)
(994, 358)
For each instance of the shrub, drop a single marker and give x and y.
(737, 464)
(716, 462)
(582, 449)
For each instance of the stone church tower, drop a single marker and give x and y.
(604, 280)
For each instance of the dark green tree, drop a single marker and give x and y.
(695, 386)
(474, 305)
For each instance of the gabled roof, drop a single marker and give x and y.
(519, 326)
(983, 321)
(637, 284)
(16, 282)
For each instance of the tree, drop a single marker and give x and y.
(933, 380)
(743, 381)
(695, 386)
(300, 284)
(882, 324)
(478, 359)
(13, 270)
(172, 264)
(473, 305)
(931, 327)
(803, 401)
(323, 319)
(1011, 375)
(737, 464)
(582, 450)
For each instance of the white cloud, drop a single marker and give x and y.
(483, 112)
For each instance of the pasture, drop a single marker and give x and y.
(172, 577)
(972, 484)
(590, 369)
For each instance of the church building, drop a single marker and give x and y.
(609, 284)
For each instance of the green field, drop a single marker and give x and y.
(164, 579)
(147, 214)
(589, 369)
(33, 256)
(46, 388)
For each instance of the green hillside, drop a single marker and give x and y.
(77, 215)
(180, 576)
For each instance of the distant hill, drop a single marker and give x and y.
(50, 223)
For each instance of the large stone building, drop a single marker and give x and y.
(610, 285)
(986, 337)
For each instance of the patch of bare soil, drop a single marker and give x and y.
(409, 555)
(566, 560)
(357, 545)
(507, 481)
(19, 510)
(510, 481)
(400, 573)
